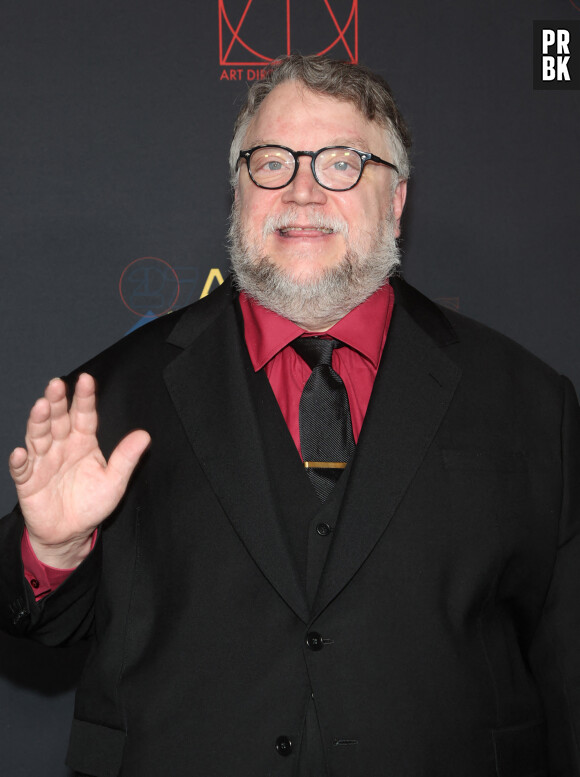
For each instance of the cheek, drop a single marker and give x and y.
(254, 211)
(363, 210)
(251, 219)
(365, 221)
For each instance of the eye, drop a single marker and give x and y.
(338, 168)
(271, 162)
(342, 166)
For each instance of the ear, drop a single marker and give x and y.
(398, 203)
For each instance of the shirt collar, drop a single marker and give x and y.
(363, 329)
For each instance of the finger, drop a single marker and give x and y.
(38, 428)
(19, 465)
(55, 393)
(83, 411)
(125, 457)
(56, 390)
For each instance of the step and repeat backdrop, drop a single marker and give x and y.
(114, 131)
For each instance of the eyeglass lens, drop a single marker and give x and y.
(336, 168)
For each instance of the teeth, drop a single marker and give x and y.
(324, 230)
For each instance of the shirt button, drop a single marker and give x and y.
(314, 640)
(323, 529)
(283, 746)
(34, 583)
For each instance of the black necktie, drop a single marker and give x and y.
(326, 436)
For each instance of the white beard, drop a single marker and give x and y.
(317, 302)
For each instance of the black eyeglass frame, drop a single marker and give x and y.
(365, 156)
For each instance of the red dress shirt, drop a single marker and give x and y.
(364, 330)
(42, 578)
(268, 337)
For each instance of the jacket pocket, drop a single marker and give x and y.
(95, 751)
(521, 751)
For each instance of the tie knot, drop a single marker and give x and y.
(316, 351)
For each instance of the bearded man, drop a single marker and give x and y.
(340, 535)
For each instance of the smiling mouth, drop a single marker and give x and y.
(305, 231)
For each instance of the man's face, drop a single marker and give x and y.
(306, 252)
(299, 119)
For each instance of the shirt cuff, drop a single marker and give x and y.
(43, 579)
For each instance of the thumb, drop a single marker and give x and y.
(20, 466)
(126, 455)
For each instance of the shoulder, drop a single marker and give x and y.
(481, 347)
(154, 344)
(496, 372)
(468, 341)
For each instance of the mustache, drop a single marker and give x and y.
(293, 218)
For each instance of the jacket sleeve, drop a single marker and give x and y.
(60, 618)
(555, 653)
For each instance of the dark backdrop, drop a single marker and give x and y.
(115, 124)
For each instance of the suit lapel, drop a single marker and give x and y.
(212, 384)
(412, 392)
(216, 394)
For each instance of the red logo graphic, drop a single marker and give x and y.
(576, 4)
(448, 302)
(255, 32)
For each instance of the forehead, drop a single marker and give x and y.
(292, 115)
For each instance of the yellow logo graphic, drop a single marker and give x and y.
(214, 275)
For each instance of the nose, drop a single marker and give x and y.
(304, 189)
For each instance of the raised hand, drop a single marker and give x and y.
(65, 486)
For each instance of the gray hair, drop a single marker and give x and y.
(367, 91)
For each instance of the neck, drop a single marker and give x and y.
(322, 326)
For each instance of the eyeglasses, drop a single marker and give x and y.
(337, 168)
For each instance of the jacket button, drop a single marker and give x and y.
(314, 640)
(283, 746)
(323, 529)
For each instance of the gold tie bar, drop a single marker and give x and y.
(325, 464)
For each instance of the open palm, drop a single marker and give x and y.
(65, 486)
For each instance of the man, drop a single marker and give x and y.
(263, 598)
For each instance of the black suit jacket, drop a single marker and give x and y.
(449, 601)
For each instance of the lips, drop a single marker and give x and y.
(306, 231)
